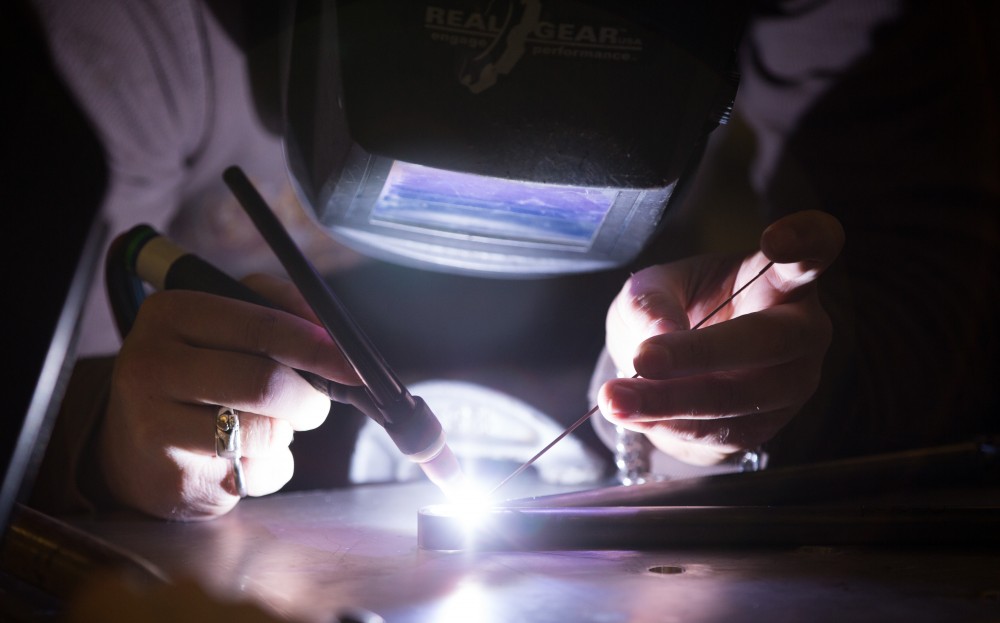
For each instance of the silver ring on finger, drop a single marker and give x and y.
(228, 445)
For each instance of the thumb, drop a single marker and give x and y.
(802, 245)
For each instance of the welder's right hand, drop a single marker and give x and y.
(187, 354)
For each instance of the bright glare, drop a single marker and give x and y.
(470, 506)
(469, 602)
(465, 516)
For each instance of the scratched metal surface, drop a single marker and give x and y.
(312, 555)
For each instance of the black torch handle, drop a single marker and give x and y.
(387, 391)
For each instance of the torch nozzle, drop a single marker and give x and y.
(445, 471)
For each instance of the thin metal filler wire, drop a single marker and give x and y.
(590, 413)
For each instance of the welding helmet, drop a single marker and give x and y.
(503, 137)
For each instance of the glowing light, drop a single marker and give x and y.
(469, 602)
(470, 508)
(465, 518)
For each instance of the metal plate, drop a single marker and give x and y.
(311, 555)
(948, 495)
(643, 528)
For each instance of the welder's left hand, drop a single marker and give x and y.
(704, 395)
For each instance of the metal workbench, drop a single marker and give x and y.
(312, 555)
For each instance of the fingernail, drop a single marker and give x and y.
(624, 400)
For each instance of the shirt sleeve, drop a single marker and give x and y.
(167, 87)
(884, 114)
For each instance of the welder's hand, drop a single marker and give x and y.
(188, 353)
(706, 394)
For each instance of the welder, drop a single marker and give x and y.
(538, 150)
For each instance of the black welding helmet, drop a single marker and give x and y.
(503, 137)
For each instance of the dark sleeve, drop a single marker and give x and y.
(885, 114)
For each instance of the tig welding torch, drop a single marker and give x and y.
(143, 255)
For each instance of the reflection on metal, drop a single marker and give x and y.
(468, 601)
(631, 457)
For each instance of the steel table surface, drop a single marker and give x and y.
(310, 555)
